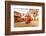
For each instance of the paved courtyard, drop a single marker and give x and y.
(23, 24)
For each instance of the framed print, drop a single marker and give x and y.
(24, 17)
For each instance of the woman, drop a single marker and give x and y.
(28, 19)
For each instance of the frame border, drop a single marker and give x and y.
(8, 13)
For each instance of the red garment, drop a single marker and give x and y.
(19, 19)
(28, 19)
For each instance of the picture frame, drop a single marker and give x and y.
(8, 17)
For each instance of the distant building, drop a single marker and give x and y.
(17, 17)
(17, 13)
